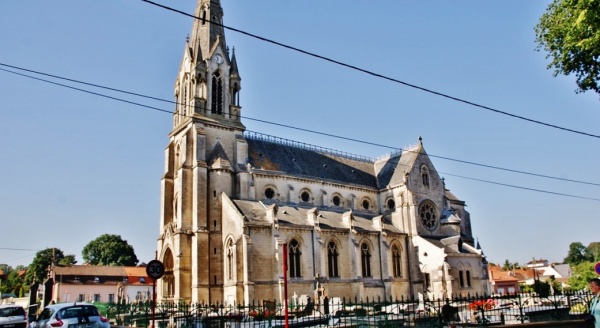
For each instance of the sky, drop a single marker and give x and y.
(75, 165)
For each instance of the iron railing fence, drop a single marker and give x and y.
(340, 312)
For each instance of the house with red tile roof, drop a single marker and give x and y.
(88, 283)
(503, 282)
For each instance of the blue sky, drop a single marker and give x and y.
(75, 166)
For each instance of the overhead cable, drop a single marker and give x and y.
(379, 75)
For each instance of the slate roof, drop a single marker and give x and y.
(394, 169)
(303, 162)
(255, 213)
(280, 155)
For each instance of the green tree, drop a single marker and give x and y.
(109, 250)
(581, 274)
(68, 260)
(577, 254)
(14, 283)
(593, 251)
(38, 269)
(569, 31)
(509, 266)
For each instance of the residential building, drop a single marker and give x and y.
(236, 206)
(89, 283)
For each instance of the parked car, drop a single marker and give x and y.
(12, 316)
(80, 315)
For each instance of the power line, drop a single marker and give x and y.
(449, 174)
(274, 123)
(521, 187)
(271, 123)
(19, 249)
(356, 68)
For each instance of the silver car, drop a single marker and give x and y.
(71, 315)
(12, 316)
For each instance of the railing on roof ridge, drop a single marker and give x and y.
(297, 144)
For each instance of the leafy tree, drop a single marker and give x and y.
(109, 250)
(577, 254)
(38, 269)
(68, 260)
(510, 266)
(542, 288)
(581, 274)
(14, 283)
(593, 251)
(6, 268)
(569, 31)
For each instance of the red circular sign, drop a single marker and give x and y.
(597, 268)
(155, 269)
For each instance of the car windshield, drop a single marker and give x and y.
(11, 312)
(46, 314)
(77, 311)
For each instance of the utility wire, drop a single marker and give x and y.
(377, 74)
(271, 123)
(397, 163)
(19, 249)
(521, 187)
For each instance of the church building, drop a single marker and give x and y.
(232, 201)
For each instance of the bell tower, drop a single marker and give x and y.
(205, 150)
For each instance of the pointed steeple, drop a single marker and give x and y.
(208, 32)
(233, 71)
(208, 84)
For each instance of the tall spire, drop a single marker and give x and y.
(207, 31)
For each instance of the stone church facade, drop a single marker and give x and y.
(352, 226)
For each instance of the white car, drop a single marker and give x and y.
(70, 315)
(12, 316)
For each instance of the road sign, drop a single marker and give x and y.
(597, 268)
(155, 269)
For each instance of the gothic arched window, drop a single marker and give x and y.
(294, 255)
(365, 255)
(332, 260)
(397, 261)
(425, 176)
(217, 94)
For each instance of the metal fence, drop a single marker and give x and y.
(336, 312)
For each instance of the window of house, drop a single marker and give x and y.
(111, 298)
(217, 94)
(427, 281)
(305, 196)
(397, 261)
(337, 200)
(332, 260)
(142, 280)
(269, 193)
(365, 254)
(461, 278)
(96, 297)
(81, 298)
(294, 255)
